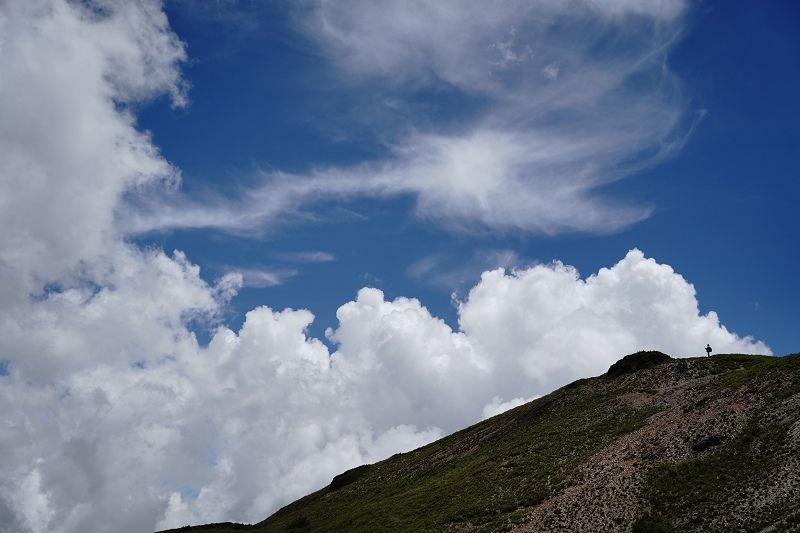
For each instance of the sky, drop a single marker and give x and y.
(247, 245)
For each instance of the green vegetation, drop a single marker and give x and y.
(736, 370)
(489, 477)
(350, 476)
(479, 479)
(701, 492)
(651, 523)
(637, 361)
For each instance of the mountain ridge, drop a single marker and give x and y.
(655, 444)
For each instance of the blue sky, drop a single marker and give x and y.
(249, 245)
(264, 97)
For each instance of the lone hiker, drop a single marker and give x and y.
(708, 350)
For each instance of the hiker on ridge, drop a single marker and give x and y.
(708, 350)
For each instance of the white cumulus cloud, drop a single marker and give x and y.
(69, 148)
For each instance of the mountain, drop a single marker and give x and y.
(654, 445)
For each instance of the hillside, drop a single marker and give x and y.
(654, 445)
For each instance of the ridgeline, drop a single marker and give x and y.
(654, 445)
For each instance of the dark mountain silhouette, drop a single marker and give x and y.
(654, 445)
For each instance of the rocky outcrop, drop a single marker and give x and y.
(694, 420)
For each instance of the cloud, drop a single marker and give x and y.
(307, 257)
(547, 102)
(558, 326)
(450, 272)
(550, 71)
(398, 41)
(70, 148)
(255, 277)
(497, 406)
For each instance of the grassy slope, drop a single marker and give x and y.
(695, 495)
(489, 476)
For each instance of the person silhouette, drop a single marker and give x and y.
(708, 350)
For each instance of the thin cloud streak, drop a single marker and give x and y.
(441, 271)
(262, 278)
(307, 257)
(589, 99)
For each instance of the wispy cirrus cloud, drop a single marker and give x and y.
(555, 99)
(307, 257)
(263, 277)
(446, 272)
